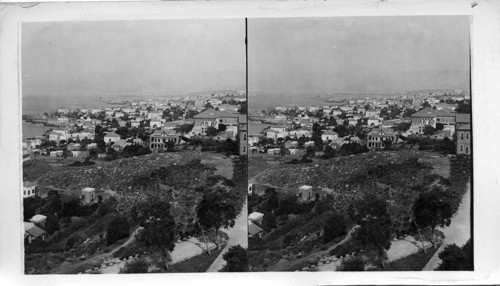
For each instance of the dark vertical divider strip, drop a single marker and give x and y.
(471, 145)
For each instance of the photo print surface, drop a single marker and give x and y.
(134, 146)
(360, 144)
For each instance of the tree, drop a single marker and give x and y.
(334, 226)
(55, 203)
(185, 128)
(268, 221)
(236, 259)
(170, 146)
(402, 127)
(352, 148)
(218, 208)
(352, 264)
(191, 113)
(370, 213)
(429, 130)
(464, 107)
(457, 258)
(272, 202)
(30, 205)
(387, 144)
(135, 150)
(329, 152)
(425, 104)
(51, 224)
(243, 107)
(135, 266)
(211, 131)
(114, 123)
(154, 215)
(112, 154)
(118, 228)
(288, 205)
(433, 208)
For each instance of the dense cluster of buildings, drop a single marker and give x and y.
(159, 119)
(376, 122)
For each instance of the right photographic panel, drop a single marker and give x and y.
(359, 144)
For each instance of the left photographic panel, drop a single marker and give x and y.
(134, 146)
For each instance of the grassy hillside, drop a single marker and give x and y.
(396, 177)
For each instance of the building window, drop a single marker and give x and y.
(461, 136)
(466, 150)
(467, 135)
(461, 148)
(244, 149)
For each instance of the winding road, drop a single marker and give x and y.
(458, 232)
(237, 235)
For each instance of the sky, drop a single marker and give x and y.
(170, 57)
(357, 54)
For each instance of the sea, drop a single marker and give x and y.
(258, 100)
(48, 103)
(31, 130)
(38, 104)
(265, 101)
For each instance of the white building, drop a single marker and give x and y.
(28, 189)
(111, 137)
(39, 220)
(89, 195)
(256, 217)
(329, 135)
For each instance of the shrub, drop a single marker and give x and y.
(352, 264)
(135, 266)
(288, 239)
(72, 241)
(456, 258)
(335, 226)
(117, 229)
(237, 259)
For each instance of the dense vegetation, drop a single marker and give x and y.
(385, 194)
(457, 258)
(169, 198)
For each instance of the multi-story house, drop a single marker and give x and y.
(377, 137)
(111, 137)
(212, 117)
(372, 113)
(329, 135)
(160, 138)
(464, 133)
(430, 117)
(243, 134)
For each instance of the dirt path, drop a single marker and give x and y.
(458, 232)
(284, 265)
(93, 260)
(237, 235)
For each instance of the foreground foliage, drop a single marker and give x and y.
(236, 259)
(457, 258)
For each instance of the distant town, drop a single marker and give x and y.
(149, 125)
(372, 122)
(94, 180)
(352, 186)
